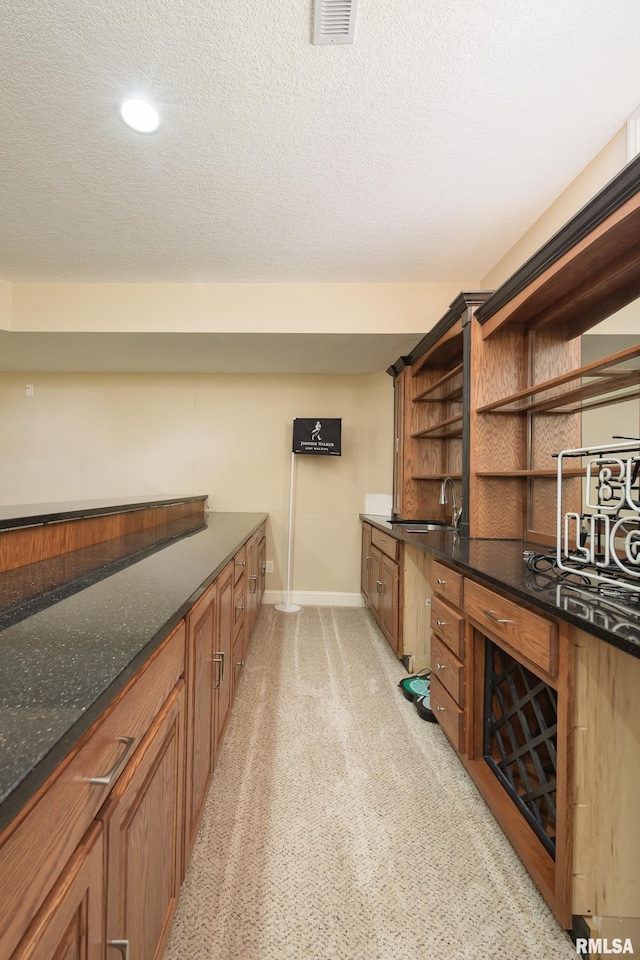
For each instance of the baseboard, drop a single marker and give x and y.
(315, 598)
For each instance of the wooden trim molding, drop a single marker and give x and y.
(613, 196)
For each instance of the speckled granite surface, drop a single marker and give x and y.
(30, 514)
(61, 666)
(500, 563)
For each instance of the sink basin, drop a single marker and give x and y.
(427, 527)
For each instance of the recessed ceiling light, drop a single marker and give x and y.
(140, 116)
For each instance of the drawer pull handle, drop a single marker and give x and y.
(441, 623)
(493, 617)
(241, 563)
(108, 778)
(440, 709)
(241, 607)
(441, 666)
(441, 582)
(378, 585)
(255, 584)
(121, 945)
(219, 659)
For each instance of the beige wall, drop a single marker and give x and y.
(229, 436)
(590, 181)
(228, 307)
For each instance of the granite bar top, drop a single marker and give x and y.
(501, 564)
(61, 666)
(34, 514)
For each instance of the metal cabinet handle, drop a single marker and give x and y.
(368, 559)
(108, 778)
(241, 563)
(378, 585)
(121, 945)
(381, 541)
(240, 663)
(219, 659)
(441, 666)
(255, 584)
(493, 617)
(441, 623)
(440, 709)
(240, 607)
(441, 582)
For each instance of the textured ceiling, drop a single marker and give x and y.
(421, 152)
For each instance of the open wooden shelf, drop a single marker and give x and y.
(606, 385)
(570, 472)
(454, 393)
(437, 476)
(446, 428)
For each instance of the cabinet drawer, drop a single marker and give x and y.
(385, 543)
(526, 634)
(448, 714)
(239, 564)
(238, 606)
(449, 625)
(35, 849)
(448, 669)
(447, 583)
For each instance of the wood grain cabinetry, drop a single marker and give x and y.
(225, 592)
(203, 671)
(381, 578)
(448, 675)
(143, 825)
(519, 736)
(70, 923)
(92, 866)
(431, 418)
(40, 841)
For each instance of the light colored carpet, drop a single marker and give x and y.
(341, 825)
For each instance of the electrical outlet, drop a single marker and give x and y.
(268, 567)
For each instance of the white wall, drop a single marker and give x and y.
(229, 436)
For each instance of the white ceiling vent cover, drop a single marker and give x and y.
(334, 21)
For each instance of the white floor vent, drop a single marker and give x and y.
(334, 21)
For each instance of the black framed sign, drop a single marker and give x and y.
(315, 435)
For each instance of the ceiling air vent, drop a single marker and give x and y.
(334, 21)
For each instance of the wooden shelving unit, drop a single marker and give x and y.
(444, 429)
(452, 380)
(607, 385)
(430, 416)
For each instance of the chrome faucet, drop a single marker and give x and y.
(456, 511)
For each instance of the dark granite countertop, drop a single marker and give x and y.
(64, 658)
(501, 564)
(34, 514)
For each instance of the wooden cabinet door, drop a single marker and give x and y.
(251, 590)
(223, 650)
(365, 564)
(202, 674)
(262, 565)
(69, 925)
(375, 583)
(390, 601)
(143, 822)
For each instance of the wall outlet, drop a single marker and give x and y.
(268, 567)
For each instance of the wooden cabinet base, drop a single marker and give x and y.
(69, 925)
(143, 822)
